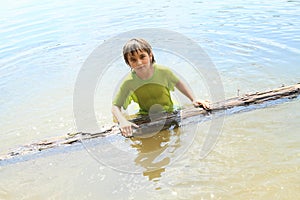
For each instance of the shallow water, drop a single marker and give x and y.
(254, 46)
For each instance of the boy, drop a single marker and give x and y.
(148, 84)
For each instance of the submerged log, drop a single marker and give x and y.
(163, 121)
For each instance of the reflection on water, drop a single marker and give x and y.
(255, 46)
(155, 153)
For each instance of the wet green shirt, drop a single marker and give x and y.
(155, 90)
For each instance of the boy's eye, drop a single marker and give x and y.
(142, 56)
(132, 59)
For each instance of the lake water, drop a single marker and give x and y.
(255, 46)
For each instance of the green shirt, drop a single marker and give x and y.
(155, 90)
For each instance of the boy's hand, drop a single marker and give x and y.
(126, 128)
(203, 103)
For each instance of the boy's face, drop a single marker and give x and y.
(140, 60)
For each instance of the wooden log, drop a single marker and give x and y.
(160, 122)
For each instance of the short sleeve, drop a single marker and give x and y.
(172, 80)
(123, 97)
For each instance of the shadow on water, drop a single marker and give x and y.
(155, 153)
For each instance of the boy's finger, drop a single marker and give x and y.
(207, 106)
(134, 125)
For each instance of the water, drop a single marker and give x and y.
(255, 47)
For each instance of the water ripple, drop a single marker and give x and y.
(254, 44)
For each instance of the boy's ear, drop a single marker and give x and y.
(151, 56)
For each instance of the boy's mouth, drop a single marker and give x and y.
(139, 67)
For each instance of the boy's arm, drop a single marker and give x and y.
(188, 93)
(125, 125)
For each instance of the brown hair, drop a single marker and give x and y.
(136, 45)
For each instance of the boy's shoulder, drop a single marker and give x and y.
(129, 77)
(162, 67)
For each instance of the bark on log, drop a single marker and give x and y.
(160, 122)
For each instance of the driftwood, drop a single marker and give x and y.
(160, 122)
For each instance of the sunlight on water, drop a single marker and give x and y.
(255, 47)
